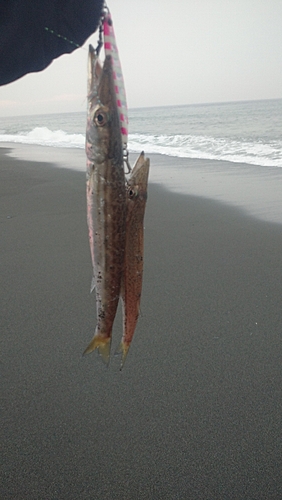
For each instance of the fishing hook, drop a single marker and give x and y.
(100, 42)
(126, 160)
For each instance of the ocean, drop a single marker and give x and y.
(238, 132)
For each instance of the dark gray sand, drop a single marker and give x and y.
(197, 411)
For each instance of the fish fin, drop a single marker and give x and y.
(93, 284)
(122, 349)
(103, 345)
(104, 351)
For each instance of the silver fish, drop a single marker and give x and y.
(106, 198)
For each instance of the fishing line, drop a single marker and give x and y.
(105, 10)
(49, 30)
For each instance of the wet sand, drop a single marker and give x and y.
(196, 412)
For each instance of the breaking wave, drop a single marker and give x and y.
(43, 136)
(255, 152)
(266, 154)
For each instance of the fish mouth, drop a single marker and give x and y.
(91, 49)
(92, 78)
(101, 85)
(97, 70)
(140, 172)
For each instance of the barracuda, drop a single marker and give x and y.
(136, 197)
(106, 202)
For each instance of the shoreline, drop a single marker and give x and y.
(255, 189)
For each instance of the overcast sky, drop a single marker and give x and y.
(172, 52)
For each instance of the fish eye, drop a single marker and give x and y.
(132, 193)
(100, 118)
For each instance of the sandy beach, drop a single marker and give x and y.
(196, 412)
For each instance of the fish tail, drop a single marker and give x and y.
(102, 344)
(122, 349)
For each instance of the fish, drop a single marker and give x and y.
(131, 285)
(106, 197)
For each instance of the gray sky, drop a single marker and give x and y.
(172, 52)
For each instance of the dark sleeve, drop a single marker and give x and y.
(29, 29)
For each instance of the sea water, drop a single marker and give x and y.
(237, 132)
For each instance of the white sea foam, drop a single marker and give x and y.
(43, 136)
(210, 148)
(254, 152)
